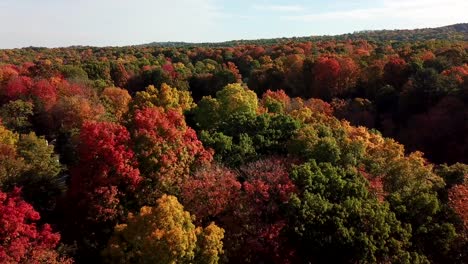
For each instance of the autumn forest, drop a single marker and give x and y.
(346, 149)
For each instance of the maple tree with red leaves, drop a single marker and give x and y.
(103, 185)
(376, 185)
(107, 170)
(22, 239)
(396, 72)
(265, 188)
(326, 72)
(235, 71)
(458, 72)
(46, 93)
(169, 69)
(167, 149)
(120, 75)
(17, 88)
(458, 200)
(276, 100)
(211, 191)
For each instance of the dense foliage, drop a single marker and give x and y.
(279, 153)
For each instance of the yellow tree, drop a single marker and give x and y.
(236, 99)
(116, 101)
(165, 97)
(11, 165)
(7, 137)
(164, 234)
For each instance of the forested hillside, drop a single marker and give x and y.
(452, 32)
(333, 150)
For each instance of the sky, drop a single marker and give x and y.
(61, 23)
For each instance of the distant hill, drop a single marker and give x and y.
(451, 32)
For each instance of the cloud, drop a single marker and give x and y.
(106, 22)
(280, 8)
(414, 12)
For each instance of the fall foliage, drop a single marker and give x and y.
(347, 149)
(164, 234)
(23, 239)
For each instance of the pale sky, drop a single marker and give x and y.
(58, 23)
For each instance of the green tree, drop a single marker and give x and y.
(41, 181)
(75, 73)
(16, 115)
(335, 219)
(244, 136)
(232, 99)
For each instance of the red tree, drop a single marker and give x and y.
(17, 88)
(26, 68)
(120, 76)
(376, 185)
(266, 187)
(458, 199)
(103, 186)
(21, 239)
(167, 149)
(211, 191)
(326, 72)
(273, 99)
(235, 71)
(349, 73)
(45, 93)
(170, 70)
(396, 72)
(458, 72)
(107, 171)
